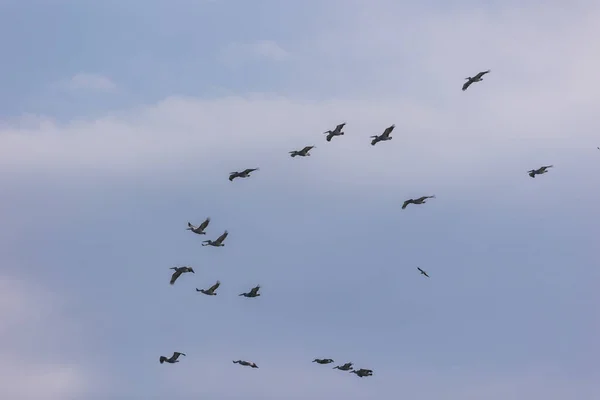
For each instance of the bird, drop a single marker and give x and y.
(302, 153)
(539, 171)
(323, 360)
(476, 78)
(336, 132)
(252, 293)
(384, 136)
(200, 228)
(422, 272)
(173, 359)
(211, 290)
(246, 363)
(420, 200)
(362, 372)
(345, 367)
(178, 272)
(216, 243)
(244, 174)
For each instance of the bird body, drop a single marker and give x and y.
(420, 200)
(211, 290)
(542, 170)
(172, 360)
(323, 360)
(243, 174)
(476, 78)
(178, 272)
(302, 153)
(216, 243)
(384, 136)
(200, 228)
(345, 367)
(422, 272)
(246, 363)
(362, 372)
(252, 293)
(336, 132)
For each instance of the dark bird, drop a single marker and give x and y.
(422, 272)
(420, 200)
(244, 174)
(179, 271)
(216, 243)
(384, 136)
(172, 360)
(323, 360)
(246, 363)
(345, 367)
(539, 171)
(302, 153)
(336, 132)
(476, 78)
(362, 372)
(211, 291)
(252, 293)
(200, 228)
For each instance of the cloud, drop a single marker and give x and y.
(91, 82)
(240, 53)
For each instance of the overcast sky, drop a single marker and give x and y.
(121, 120)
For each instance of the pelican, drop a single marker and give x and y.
(211, 290)
(216, 243)
(178, 272)
(422, 272)
(200, 228)
(246, 363)
(302, 153)
(362, 372)
(420, 200)
(336, 132)
(323, 360)
(252, 293)
(345, 367)
(384, 136)
(244, 174)
(173, 359)
(539, 171)
(476, 78)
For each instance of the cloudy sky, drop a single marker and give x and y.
(120, 121)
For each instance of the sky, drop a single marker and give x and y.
(121, 120)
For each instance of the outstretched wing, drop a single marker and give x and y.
(407, 202)
(466, 85)
(176, 355)
(420, 270)
(176, 275)
(204, 224)
(233, 175)
(248, 170)
(254, 290)
(306, 149)
(340, 127)
(214, 287)
(547, 166)
(221, 238)
(388, 130)
(479, 75)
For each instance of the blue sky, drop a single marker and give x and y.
(120, 121)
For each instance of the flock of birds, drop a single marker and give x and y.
(254, 292)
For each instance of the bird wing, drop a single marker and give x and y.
(466, 85)
(388, 130)
(191, 226)
(548, 166)
(233, 175)
(306, 149)
(248, 170)
(420, 270)
(221, 238)
(340, 127)
(254, 290)
(214, 287)
(175, 275)
(479, 75)
(407, 202)
(204, 224)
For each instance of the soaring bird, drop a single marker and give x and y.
(200, 228)
(246, 363)
(302, 153)
(173, 359)
(345, 367)
(336, 132)
(244, 174)
(362, 372)
(323, 360)
(420, 200)
(539, 171)
(422, 272)
(216, 243)
(384, 136)
(252, 293)
(178, 272)
(476, 78)
(211, 291)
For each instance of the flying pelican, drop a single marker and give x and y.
(323, 360)
(178, 272)
(252, 293)
(173, 359)
(345, 367)
(476, 78)
(200, 228)
(246, 363)
(211, 290)
(362, 372)
(302, 153)
(336, 132)
(384, 136)
(244, 174)
(218, 242)
(420, 200)
(539, 171)
(422, 272)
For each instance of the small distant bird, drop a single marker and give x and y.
(178, 272)
(362, 372)
(476, 78)
(172, 360)
(211, 291)
(216, 243)
(200, 228)
(420, 200)
(302, 153)
(252, 293)
(345, 367)
(244, 174)
(336, 132)
(384, 136)
(323, 360)
(539, 171)
(246, 363)
(422, 272)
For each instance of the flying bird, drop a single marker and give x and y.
(476, 78)
(211, 290)
(246, 363)
(252, 293)
(216, 243)
(345, 367)
(244, 174)
(173, 359)
(178, 272)
(384, 136)
(302, 153)
(539, 171)
(323, 360)
(362, 372)
(200, 228)
(422, 272)
(336, 132)
(420, 200)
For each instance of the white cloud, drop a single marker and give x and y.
(239, 53)
(93, 82)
